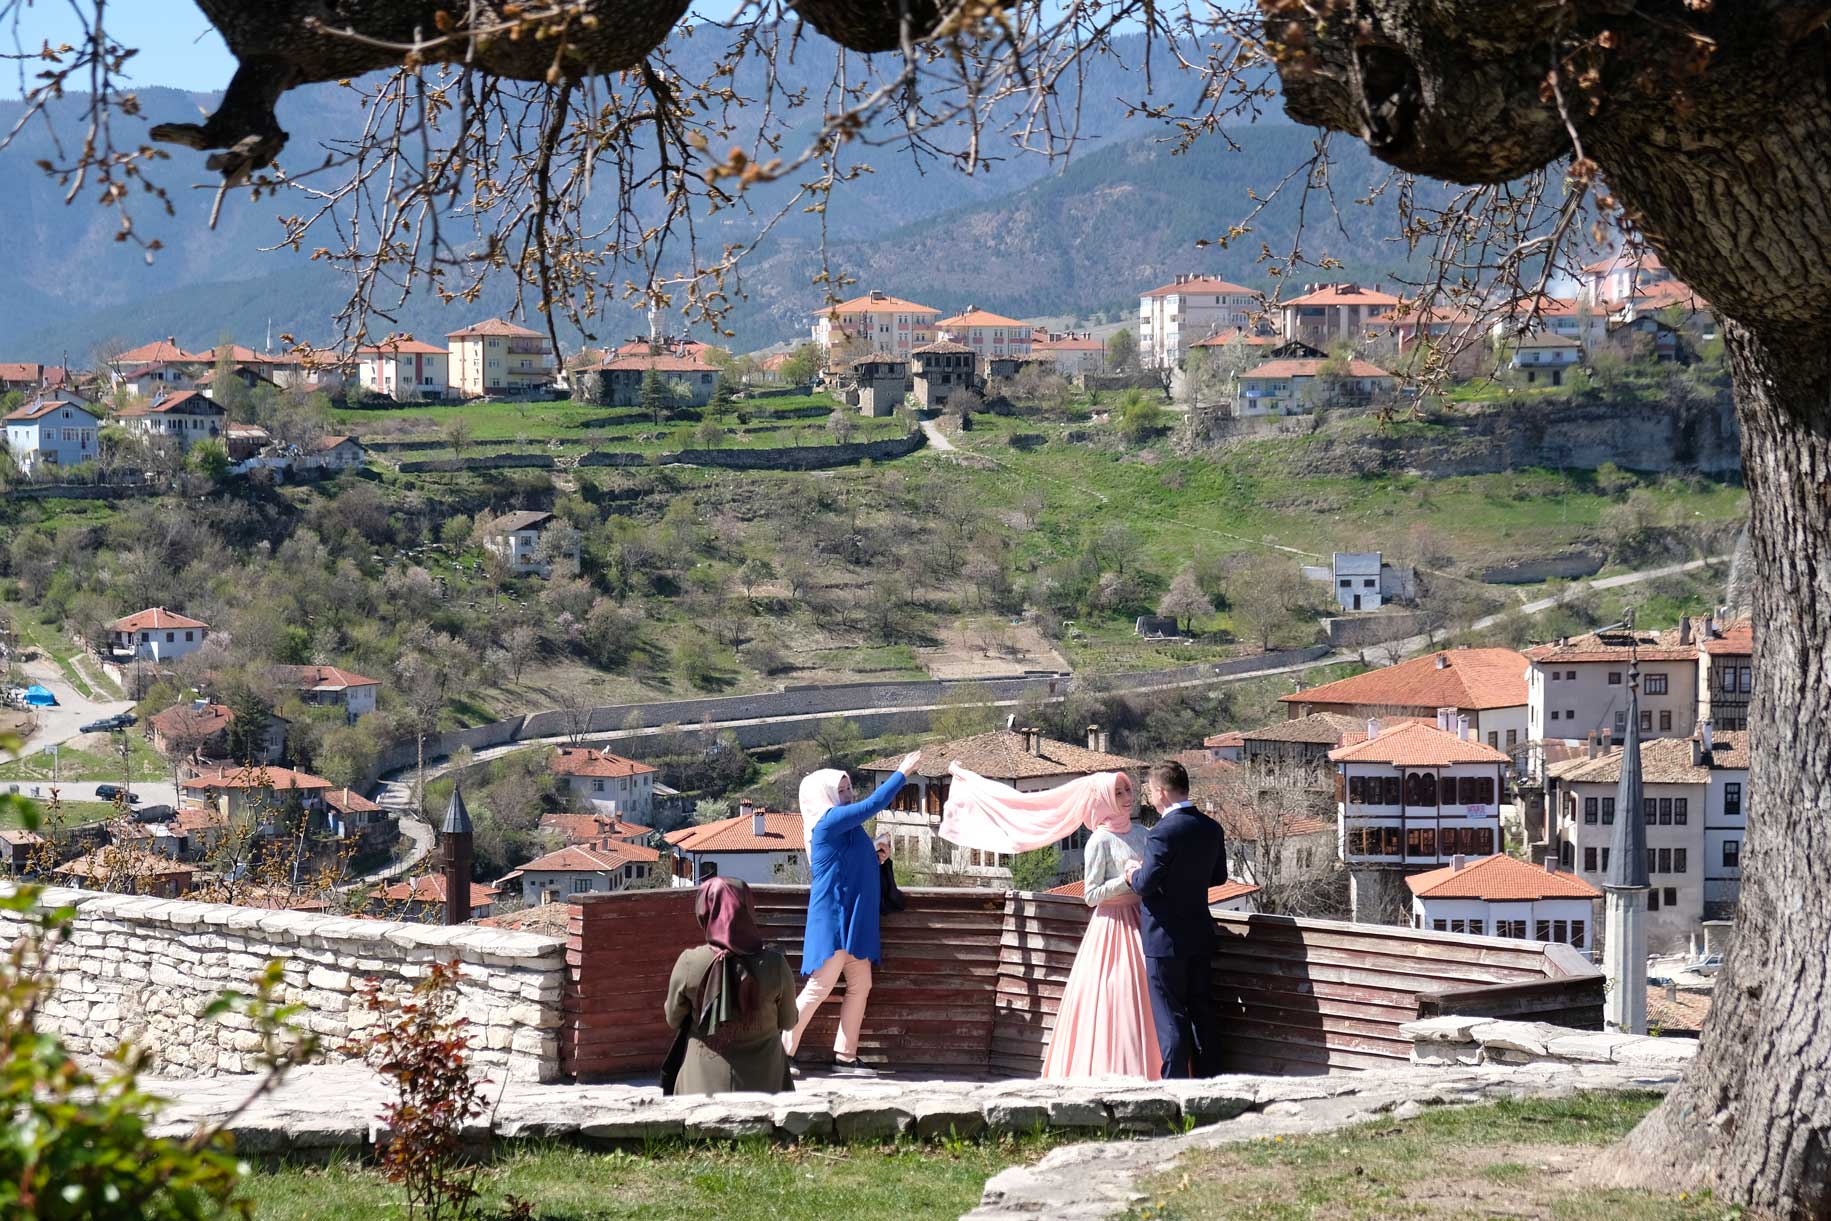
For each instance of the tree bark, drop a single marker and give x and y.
(1712, 126)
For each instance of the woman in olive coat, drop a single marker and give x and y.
(738, 995)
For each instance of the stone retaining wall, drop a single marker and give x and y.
(1474, 1040)
(141, 969)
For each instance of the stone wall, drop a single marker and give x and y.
(780, 458)
(1352, 631)
(1475, 1040)
(142, 969)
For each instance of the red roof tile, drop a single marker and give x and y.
(278, 778)
(44, 407)
(208, 720)
(12, 373)
(577, 858)
(1470, 678)
(1499, 879)
(876, 303)
(1415, 744)
(657, 363)
(583, 761)
(430, 888)
(495, 326)
(1199, 284)
(584, 828)
(1310, 368)
(349, 801)
(974, 316)
(781, 833)
(155, 619)
(1737, 637)
(1344, 294)
(160, 350)
(1001, 755)
(323, 678)
(1216, 741)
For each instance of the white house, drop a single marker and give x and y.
(578, 869)
(875, 322)
(183, 416)
(1072, 353)
(337, 453)
(516, 537)
(1021, 758)
(330, 686)
(348, 813)
(1190, 308)
(986, 333)
(1694, 803)
(1545, 358)
(757, 846)
(1294, 387)
(156, 634)
(1578, 686)
(51, 432)
(1328, 313)
(404, 368)
(1413, 795)
(605, 783)
(1502, 896)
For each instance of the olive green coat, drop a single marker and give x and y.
(749, 1055)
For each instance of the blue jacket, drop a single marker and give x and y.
(1184, 855)
(842, 897)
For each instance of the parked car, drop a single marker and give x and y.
(120, 720)
(1709, 965)
(154, 813)
(108, 792)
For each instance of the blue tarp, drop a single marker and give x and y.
(38, 697)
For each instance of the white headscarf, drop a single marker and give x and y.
(819, 793)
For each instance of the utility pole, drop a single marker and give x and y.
(455, 833)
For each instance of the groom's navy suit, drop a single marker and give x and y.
(1184, 855)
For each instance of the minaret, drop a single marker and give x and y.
(1625, 887)
(455, 838)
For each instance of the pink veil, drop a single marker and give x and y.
(995, 817)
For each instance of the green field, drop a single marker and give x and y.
(75, 764)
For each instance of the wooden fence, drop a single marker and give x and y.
(972, 979)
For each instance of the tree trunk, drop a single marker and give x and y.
(1752, 1117)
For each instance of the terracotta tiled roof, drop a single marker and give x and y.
(1216, 894)
(781, 833)
(186, 402)
(1667, 293)
(658, 363)
(349, 801)
(1067, 344)
(1000, 755)
(13, 373)
(495, 326)
(1233, 737)
(1310, 368)
(322, 678)
(584, 828)
(189, 819)
(879, 303)
(1415, 744)
(1436, 315)
(1662, 761)
(974, 316)
(208, 720)
(1319, 728)
(877, 358)
(686, 347)
(1643, 261)
(44, 407)
(1200, 284)
(583, 761)
(155, 619)
(160, 350)
(1737, 637)
(941, 347)
(329, 443)
(1344, 294)
(577, 858)
(277, 778)
(1616, 646)
(430, 888)
(118, 862)
(1686, 1012)
(1499, 878)
(1470, 678)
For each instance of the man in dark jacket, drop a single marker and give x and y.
(1184, 856)
(890, 899)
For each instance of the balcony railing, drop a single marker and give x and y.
(971, 980)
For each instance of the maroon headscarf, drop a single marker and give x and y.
(728, 990)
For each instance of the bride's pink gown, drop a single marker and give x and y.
(1104, 1027)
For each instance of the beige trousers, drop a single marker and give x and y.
(857, 973)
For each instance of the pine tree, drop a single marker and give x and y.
(656, 398)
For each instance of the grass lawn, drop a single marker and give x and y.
(75, 764)
(745, 1182)
(1505, 1159)
(49, 641)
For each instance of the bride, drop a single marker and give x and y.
(1104, 1025)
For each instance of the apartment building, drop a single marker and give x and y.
(1695, 807)
(1073, 353)
(404, 368)
(496, 357)
(989, 335)
(1488, 686)
(1297, 387)
(875, 322)
(1329, 313)
(1190, 308)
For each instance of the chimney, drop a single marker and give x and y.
(1591, 751)
(1709, 736)
(876, 295)
(1443, 719)
(1458, 863)
(1106, 742)
(1697, 751)
(758, 823)
(1443, 661)
(200, 705)
(1684, 629)
(1462, 728)
(1093, 737)
(1373, 728)
(1033, 740)
(1608, 740)
(1551, 864)
(1672, 992)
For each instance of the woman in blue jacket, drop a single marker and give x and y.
(842, 904)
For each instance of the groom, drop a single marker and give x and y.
(1183, 857)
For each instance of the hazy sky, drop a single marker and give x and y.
(177, 46)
